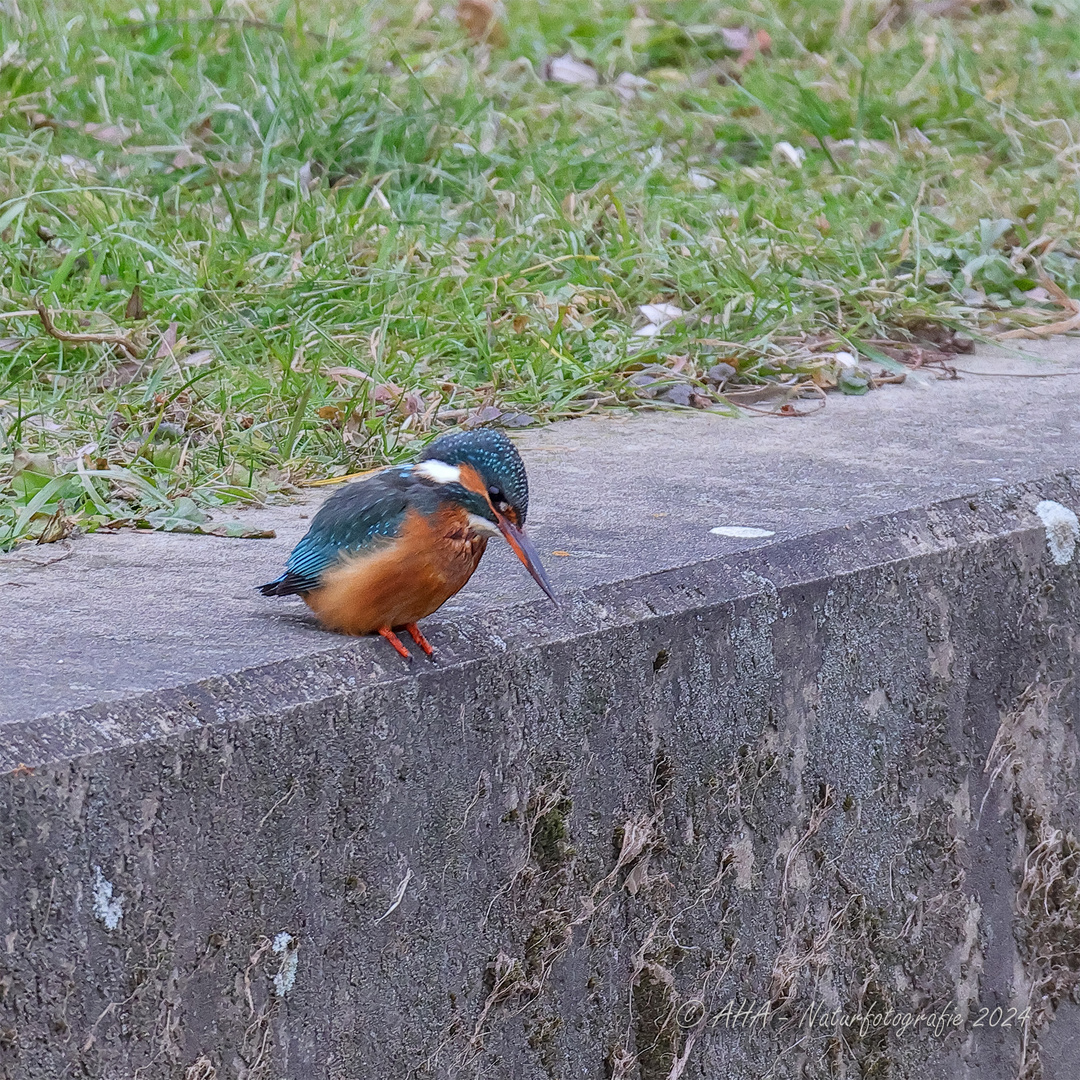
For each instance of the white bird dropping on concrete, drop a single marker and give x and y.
(743, 532)
(1062, 530)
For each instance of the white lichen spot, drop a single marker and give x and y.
(740, 854)
(742, 532)
(1062, 530)
(284, 980)
(108, 908)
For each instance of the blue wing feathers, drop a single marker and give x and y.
(351, 520)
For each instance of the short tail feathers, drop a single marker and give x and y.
(289, 584)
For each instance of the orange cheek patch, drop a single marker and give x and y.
(472, 480)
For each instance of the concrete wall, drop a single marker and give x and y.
(836, 774)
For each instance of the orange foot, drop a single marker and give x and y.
(386, 632)
(414, 633)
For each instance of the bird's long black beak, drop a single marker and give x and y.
(524, 550)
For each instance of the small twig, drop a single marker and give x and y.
(66, 552)
(1019, 374)
(787, 409)
(121, 341)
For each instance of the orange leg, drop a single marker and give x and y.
(386, 632)
(414, 633)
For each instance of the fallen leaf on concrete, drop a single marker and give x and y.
(238, 530)
(182, 516)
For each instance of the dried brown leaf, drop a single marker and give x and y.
(167, 345)
(113, 134)
(568, 69)
(134, 308)
(342, 374)
(479, 19)
(186, 158)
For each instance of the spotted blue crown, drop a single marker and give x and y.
(493, 456)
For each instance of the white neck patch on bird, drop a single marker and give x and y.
(482, 527)
(440, 472)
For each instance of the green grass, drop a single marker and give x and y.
(367, 230)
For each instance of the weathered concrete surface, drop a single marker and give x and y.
(834, 769)
(136, 612)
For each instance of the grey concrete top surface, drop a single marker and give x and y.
(108, 617)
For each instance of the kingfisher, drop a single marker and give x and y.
(388, 550)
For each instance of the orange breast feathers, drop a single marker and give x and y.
(401, 581)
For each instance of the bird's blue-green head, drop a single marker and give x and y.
(496, 461)
(482, 471)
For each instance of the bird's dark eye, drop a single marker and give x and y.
(498, 499)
